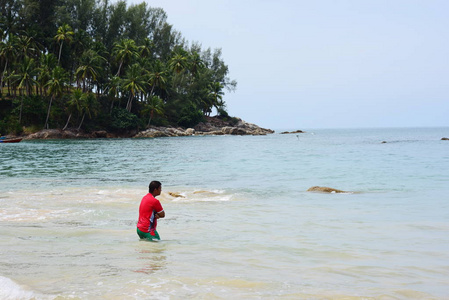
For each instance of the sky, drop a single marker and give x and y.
(326, 63)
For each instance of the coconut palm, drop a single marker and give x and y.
(55, 86)
(157, 78)
(216, 94)
(8, 52)
(125, 51)
(26, 75)
(113, 88)
(26, 47)
(90, 66)
(133, 83)
(155, 105)
(64, 34)
(146, 50)
(88, 106)
(195, 64)
(178, 63)
(74, 104)
(47, 62)
(27, 72)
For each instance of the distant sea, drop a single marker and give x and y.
(241, 224)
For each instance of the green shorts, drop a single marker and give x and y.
(148, 236)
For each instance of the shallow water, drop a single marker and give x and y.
(245, 226)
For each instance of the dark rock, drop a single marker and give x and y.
(100, 134)
(290, 132)
(323, 189)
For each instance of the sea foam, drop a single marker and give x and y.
(11, 290)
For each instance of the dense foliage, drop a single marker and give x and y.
(93, 64)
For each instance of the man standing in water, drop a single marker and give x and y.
(149, 211)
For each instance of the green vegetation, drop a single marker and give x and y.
(94, 65)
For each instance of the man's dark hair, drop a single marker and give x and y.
(154, 185)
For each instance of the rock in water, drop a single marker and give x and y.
(323, 189)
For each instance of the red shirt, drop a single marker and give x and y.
(149, 206)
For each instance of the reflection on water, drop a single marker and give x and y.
(152, 259)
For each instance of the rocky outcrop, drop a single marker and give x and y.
(290, 132)
(217, 126)
(153, 132)
(323, 189)
(49, 134)
(58, 134)
(445, 139)
(213, 126)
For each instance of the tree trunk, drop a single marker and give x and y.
(151, 116)
(130, 103)
(112, 105)
(67, 124)
(82, 120)
(20, 114)
(118, 72)
(60, 50)
(48, 113)
(3, 74)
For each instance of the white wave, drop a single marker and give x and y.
(11, 290)
(197, 196)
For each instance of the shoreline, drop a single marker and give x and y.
(212, 126)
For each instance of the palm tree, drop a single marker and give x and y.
(88, 106)
(90, 66)
(125, 51)
(178, 63)
(55, 87)
(64, 34)
(155, 105)
(47, 63)
(216, 94)
(27, 72)
(195, 64)
(157, 78)
(26, 46)
(146, 50)
(133, 83)
(74, 104)
(113, 88)
(8, 52)
(26, 75)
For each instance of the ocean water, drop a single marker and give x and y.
(242, 225)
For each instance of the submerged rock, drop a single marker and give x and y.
(323, 189)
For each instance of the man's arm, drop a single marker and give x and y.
(160, 214)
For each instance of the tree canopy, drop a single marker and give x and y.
(95, 64)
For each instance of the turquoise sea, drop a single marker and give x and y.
(243, 225)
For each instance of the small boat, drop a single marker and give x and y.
(10, 140)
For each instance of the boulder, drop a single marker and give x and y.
(100, 134)
(190, 131)
(323, 189)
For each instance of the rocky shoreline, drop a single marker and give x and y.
(212, 126)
